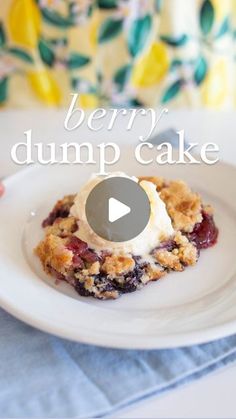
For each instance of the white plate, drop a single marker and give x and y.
(195, 306)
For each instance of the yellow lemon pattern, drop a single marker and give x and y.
(116, 54)
(44, 87)
(93, 29)
(88, 100)
(24, 23)
(150, 69)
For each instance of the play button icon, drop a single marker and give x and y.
(117, 209)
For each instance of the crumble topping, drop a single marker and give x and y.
(116, 265)
(169, 260)
(184, 253)
(183, 205)
(105, 275)
(63, 227)
(60, 210)
(53, 253)
(153, 273)
(91, 285)
(94, 269)
(187, 252)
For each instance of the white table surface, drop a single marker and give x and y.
(212, 396)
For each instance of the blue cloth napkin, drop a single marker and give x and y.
(42, 376)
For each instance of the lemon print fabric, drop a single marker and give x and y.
(24, 23)
(44, 86)
(118, 53)
(88, 101)
(152, 66)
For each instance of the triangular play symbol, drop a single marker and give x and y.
(117, 210)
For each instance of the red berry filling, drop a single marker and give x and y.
(89, 256)
(81, 252)
(77, 246)
(78, 262)
(204, 234)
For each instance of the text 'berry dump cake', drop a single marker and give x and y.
(180, 225)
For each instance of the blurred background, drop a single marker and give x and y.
(119, 53)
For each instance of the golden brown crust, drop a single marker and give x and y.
(185, 254)
(94, 269)
(65, 202)
(153, 273)
(108, 276)
(116, 265)
(183, 205)
(168, 260)
(53, 253)
(62, 227)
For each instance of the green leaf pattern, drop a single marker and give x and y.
(200, 70)
(172, 91)
(55, 19)
(175, 41)
(110, 29)
(76, 60)
(107, 4)
(122, 75)
(206, 16)
(138, 35)
(2, 35)
(20, 54)
(46, 52)
(224, 28)
(3, 90)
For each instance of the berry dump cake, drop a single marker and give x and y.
(180, 226)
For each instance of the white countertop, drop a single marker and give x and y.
(212, 396)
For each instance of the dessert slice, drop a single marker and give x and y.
(107, 270)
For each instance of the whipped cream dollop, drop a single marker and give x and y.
(159, 227)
